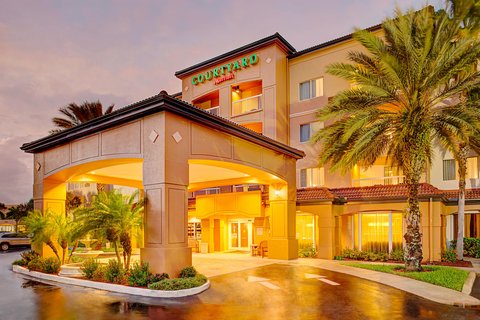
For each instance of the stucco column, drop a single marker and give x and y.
(48, 195)
(282, 243)
(165, 179)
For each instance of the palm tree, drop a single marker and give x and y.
(76, 114)
(114, 216)
(41, 227)
(465, 13)
(396, 106)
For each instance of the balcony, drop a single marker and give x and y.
(368, 182)
(247, 105)
(214, 110)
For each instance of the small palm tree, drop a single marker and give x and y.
(396, 107)
(115, 217)
(43, 230)
(76, 114)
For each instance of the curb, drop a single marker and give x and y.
(468, 285)
(112, 287)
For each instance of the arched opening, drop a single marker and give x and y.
(229, 205)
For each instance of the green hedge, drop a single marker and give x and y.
(47, 265)
(179, 283)
(471, 246)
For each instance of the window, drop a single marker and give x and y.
(311, 89)
(307, 130)
(378, 232)
(312, 177)
(449, 171)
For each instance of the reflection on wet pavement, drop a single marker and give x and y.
(232, 296)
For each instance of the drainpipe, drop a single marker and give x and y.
(430, 227)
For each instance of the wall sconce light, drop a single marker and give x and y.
(277, 192)
(236, 89)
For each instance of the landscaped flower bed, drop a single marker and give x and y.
(138, 275)
(438, 275)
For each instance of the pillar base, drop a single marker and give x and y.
(283, 249)
(169, 260)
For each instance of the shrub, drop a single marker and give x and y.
(449, 255)
(99, 273)
(307, 252)
(19, 262)
(139, 274)
(36, 264)
(157, 277)
(188, 272)
(179, 283)
(338, 258)
(89, 267)
(115, 272)
(397, 255)
(471, 246)
(28, 256)
(51, 265)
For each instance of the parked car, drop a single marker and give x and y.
(14, 239)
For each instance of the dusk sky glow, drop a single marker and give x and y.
(56, 52)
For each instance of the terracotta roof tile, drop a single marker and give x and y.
(384, 191)
(316, 193)
(360, 193)
(470, 194)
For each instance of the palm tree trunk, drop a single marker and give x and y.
(413, 236)
(73, 250)
(127, 248)
(52, 246)
(115, 246)
(462, 173)
(64, 245)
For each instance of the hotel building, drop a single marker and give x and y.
(227, 163)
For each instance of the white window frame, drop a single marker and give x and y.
(310, 177)
(312, 84)
(312, 128)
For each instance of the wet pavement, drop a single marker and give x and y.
(277, 291)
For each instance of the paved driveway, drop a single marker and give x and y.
(273, 291)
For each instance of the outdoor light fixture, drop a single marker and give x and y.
(277, 192)
(236, 89)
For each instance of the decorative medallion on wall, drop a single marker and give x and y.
(153, 136)
(177, 137)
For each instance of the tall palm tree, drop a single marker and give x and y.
(397, 104)
(76, 114)
(114, 216)
(466, 13)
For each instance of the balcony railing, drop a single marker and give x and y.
(214, 110)
(367, 182)
(249, 104)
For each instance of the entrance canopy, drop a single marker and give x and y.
(167, 147)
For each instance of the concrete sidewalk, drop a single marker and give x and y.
(214, 264)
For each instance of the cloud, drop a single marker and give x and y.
(57, 52)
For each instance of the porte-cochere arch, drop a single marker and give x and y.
(159, 145)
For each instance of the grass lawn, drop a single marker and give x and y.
(441, 276)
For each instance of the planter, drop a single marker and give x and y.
(110, 286)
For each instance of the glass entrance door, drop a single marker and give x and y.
(240, 235)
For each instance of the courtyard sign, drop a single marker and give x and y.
(225, 72)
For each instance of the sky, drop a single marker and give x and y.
(53, 53)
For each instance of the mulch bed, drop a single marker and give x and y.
(459, 263)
